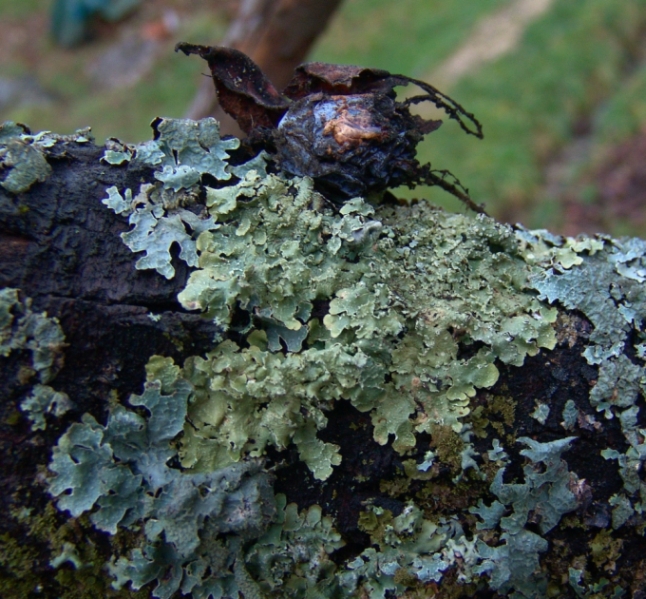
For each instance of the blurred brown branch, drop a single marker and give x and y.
(277, 35)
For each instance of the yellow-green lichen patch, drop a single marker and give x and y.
(455, 283)
(270, 253)
(247, 399)
(409, 287)
(429, 301)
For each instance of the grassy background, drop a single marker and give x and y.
(554, 109)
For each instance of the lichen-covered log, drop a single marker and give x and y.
(218, 384)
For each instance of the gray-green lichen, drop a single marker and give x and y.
(21, 329)
(405, 312)
(609, 288)
(121, 469)
(44, 400)
(184, 151)
(23, 159)
(545, 491)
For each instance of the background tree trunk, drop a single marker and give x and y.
(277, 35)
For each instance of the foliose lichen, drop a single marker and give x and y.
(22, 330)
(405, 313)
(608, 287)
(23, 159)
(279, 251)
(120, 471)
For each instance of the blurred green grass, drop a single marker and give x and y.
(12, 9)
(125, 112)
(408, 36)
(571, 70)
(577, 72)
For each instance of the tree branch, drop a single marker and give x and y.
(449, 405)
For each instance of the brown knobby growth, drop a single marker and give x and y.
(341, 125)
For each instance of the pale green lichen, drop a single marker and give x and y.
(608, 288)
(23, 155)
(184, 150)
(116, 153)
(21, 329)
(427, 551)
(541, 413)
(156, 228)
(570, 415)
(292, 558)
(190, 150)
(120, 472)
(44, 400)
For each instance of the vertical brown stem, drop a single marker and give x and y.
(276, 35)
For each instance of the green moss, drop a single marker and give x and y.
(448, 446)
(605, 551)
(46, 540)
(16, 557)
(376, 522)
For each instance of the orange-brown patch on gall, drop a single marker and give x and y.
(352, 129)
